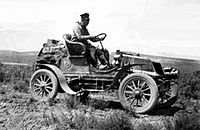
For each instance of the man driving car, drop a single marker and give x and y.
(81, 34)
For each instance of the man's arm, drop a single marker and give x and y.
(81, 37)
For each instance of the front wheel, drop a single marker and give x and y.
(43, 85)
(138, 91)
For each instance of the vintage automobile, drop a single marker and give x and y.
(142, 84)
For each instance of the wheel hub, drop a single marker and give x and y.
(43, 85)
(138, 94)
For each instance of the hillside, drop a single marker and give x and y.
(18, 57)
(184, 65)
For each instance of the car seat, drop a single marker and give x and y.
(74, 48)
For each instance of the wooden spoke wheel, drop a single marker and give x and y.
(138, 91)
(43, 85)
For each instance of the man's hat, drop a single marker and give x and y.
(85, 16)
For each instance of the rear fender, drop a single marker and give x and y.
(60, 76)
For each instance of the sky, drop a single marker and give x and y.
(156, 27)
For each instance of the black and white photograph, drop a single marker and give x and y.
(100, 65)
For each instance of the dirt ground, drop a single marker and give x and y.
(20, 111)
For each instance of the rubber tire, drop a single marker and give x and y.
(54, 81)
(153, 88)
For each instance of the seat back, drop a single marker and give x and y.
(75, 48)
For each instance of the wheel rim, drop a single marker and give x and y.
(138, 93)
(43, 86)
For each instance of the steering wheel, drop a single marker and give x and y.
(100, 38)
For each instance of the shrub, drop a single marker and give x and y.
(71, 101)
(189, 84)
(85, 121)
(118, 120)
(146, 126)
(189, 98)
(98, 103)
(188, 121)
(13, 72)
(2, 76)
(21, 86)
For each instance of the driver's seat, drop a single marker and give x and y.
(74, 48)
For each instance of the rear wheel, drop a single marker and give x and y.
(43, 85)
(138, 91)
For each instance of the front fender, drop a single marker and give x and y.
(60, 76)
(122, 72)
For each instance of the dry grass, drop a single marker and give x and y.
(19, 110)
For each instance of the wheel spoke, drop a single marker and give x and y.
(47, 79)
(129, 97)
(128, 92)
(45, 93)
(144, 99)
(38, 85)
(146, 94)
(41, 79)
(144, 83)
(49, 84)
(48, 87)
(39, 92)
(48, 91)
(38, 81)
(146, 89)
(130, 88)
(138, 84)
(132, 101)
(134, 85)
(36, 89)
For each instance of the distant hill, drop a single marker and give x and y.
(184, 65)
(8, 52)
(18, 57)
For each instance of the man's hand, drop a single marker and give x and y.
(102, 38)
(92, 37)
(96, 39)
